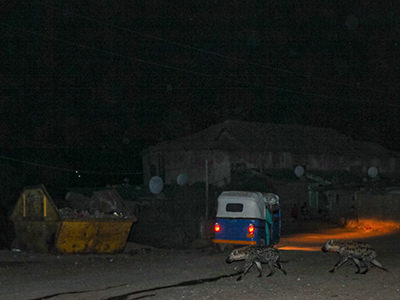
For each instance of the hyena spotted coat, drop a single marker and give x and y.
(256, 255)
(362, 254)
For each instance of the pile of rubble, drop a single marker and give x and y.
(101, 204)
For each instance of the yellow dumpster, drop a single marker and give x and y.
(41, 226)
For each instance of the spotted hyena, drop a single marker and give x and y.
(256, 255)
(362, 254)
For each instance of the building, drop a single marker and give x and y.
(330, 167)
(225, 147)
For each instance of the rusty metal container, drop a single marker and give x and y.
(41, 226)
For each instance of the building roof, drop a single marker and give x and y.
(254, 136)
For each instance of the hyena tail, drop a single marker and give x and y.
(378, 264)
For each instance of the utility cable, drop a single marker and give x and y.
(204, 51)
(160, 65)
(66, 169)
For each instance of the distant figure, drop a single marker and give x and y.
(323, 214)
(294, 212)
(3, 227)
(305, 211)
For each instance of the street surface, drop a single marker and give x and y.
(143, 272)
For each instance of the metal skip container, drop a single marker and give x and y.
(41, 226)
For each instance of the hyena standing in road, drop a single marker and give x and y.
(256, 255)
(359, 252)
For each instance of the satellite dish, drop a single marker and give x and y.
(372, 172)
(156, 184)
(68, 196)
(299, 171)
(271, 198)
(182, 179)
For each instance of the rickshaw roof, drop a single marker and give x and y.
(254, 204)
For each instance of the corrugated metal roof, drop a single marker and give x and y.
(254, 136)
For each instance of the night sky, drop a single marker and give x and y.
(88, 84)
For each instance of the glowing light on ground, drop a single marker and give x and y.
(294, 248)
(363, 229)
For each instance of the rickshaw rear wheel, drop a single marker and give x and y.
(221, 247)
(224, 247)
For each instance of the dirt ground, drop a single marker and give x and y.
(148, 273)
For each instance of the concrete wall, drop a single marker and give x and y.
(378, 206)
(169, 164)
(341, 205)
(290, 194)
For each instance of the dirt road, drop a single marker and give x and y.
(171, 274)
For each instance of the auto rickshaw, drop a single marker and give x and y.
(247, 218)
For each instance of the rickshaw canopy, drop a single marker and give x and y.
(245, 204)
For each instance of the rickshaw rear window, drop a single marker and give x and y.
(234, 207)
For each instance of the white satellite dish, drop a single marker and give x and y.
(182, 179)
(68, 196)
(156, 184)
(373, 172)
(299, 171)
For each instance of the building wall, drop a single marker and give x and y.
(318, 162)
(341, 205)
(291, 194)
(169, 164)
(378, 206)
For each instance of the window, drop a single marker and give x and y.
(234, 207)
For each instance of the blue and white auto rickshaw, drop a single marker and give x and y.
(247, 218)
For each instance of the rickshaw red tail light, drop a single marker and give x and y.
(217, 227)
(251, 228)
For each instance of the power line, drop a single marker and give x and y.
(160, 65)
(112, 53)
(66, 169)
(204, 51)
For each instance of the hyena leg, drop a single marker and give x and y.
(259, 267)
(366, 269)
(279, 266)
(248, 264)
(271, 268)
(366, 266)
(376, 263)
(358, 265)
(339, 264)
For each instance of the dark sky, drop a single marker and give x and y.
(121, 75)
